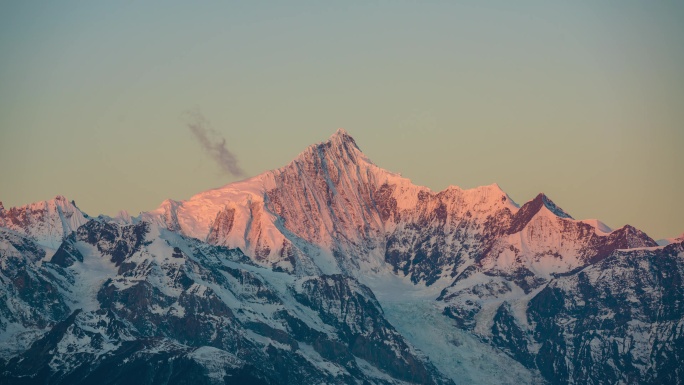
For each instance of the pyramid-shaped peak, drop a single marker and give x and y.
(341, 137)
(531, 208)
(341, 132)
(628, 237)
(546, 201)
(339, 146)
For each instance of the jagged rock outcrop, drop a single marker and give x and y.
(617, 321)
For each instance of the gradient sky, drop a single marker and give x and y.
(582, 100)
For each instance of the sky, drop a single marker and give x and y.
(581, 100)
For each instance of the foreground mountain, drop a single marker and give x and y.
(139, 304)
(333, 270)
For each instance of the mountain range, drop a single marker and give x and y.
(333, 270)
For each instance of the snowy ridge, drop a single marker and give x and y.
(48, 222)
(332, 200)
(600, 227)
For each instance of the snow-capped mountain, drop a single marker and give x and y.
(333, 199)
(303, 275)
(47, 222)
(332, 202)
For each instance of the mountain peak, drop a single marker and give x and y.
(341, 138)
(339, 147)
(548, 203)
(340, 132)
(47, 222)
(531, 208)
(629, 237)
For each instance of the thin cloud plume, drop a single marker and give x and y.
(213, 144)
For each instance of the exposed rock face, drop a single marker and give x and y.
(617, 321)
(136, 302)
(259, 282)
(30, 299)
(353, 310)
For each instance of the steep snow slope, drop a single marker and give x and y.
(457, 353)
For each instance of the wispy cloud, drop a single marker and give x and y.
(213, 143)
